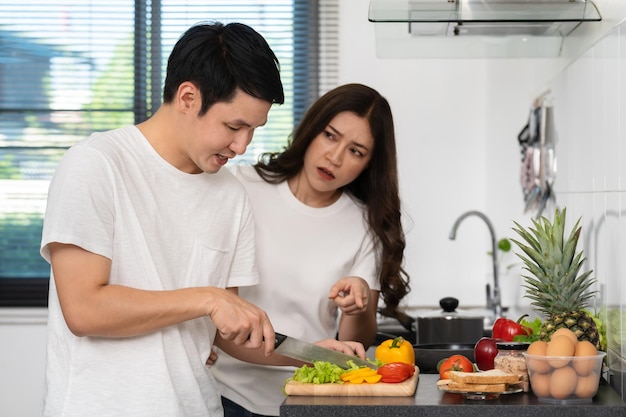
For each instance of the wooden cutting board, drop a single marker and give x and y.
(379, 389)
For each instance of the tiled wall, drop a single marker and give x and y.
(589, 99)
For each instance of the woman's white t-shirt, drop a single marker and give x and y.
(163, 229)
(301, 252)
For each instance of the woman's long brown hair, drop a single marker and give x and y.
(376, 187)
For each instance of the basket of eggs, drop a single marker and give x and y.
(564, 370)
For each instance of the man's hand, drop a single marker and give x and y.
(241, 322)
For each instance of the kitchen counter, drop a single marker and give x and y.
(430, 401)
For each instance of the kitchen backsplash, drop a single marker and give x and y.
(589, 99)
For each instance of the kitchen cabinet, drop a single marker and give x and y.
(429, 401)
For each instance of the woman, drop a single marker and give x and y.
(328, 236)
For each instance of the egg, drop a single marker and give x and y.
(538, 348)
(563, 382)
(587, 385)
(585, 348)
(585, 366)
(564, 331)
(540, 384)
(560, 345)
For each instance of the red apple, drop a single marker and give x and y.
(485, 351)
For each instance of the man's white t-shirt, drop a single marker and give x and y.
(301, 252)
(163, 229)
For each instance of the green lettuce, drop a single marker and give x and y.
(535, 326)
(320, 373)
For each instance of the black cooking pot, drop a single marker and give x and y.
(427, 356)
(449, 325)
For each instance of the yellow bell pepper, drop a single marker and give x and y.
(396, 350)
(358, 376)
(373, 379)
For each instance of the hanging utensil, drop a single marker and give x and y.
(538, 171)
(547, 160)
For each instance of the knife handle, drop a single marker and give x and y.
(280, 338)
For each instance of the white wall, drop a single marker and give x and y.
(22, 361)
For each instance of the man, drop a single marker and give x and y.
(148, 240)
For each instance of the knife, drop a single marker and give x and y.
(308, 352)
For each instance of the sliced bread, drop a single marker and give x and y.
(456, 386)
(493, 376)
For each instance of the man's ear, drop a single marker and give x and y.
(188, 97)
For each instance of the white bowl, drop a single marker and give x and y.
(564, 379)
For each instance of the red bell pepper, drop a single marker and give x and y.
(506, 329)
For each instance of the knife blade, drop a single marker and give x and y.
(308, 352)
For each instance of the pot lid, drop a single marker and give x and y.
(449, 311)
(512, 345)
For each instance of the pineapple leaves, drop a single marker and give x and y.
(558, 229)
(570, 247)
(554, 283)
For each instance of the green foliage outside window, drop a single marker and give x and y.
(20, 237)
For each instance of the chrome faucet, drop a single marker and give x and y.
(494, 302)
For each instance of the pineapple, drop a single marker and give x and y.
(554, 285)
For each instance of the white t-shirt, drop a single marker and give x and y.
(301, 252)
(163, 229)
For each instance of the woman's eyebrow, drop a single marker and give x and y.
(338, 133)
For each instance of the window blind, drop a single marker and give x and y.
(70, 68)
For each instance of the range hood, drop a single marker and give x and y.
(477, 28)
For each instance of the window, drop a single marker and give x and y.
(74, 67)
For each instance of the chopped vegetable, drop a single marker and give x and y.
(395, 372)
(353, 365)
(373, 379)
(357, 373)
(358, 376)
(396, 350)
(320, 373)
(327, 373)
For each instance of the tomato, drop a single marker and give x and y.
(396, 372)
(455, 363)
